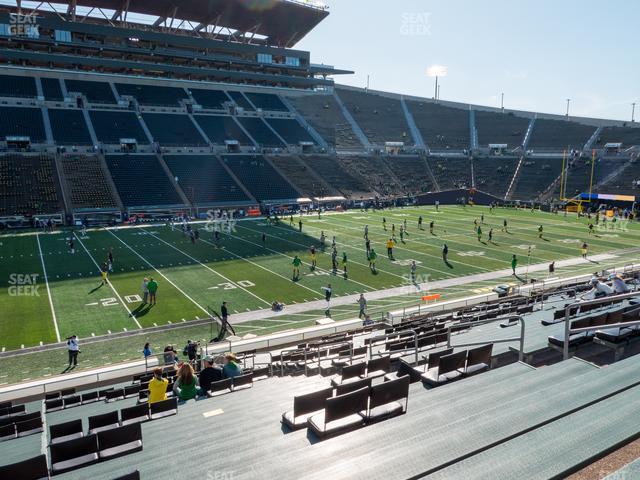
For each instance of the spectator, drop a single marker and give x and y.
(153, 288)
(599, 289)
(157, 387)
(618, 284)
(209, 374)
(146, 351)
(145, 290)
(231, 366)
(186, 385)
(191, 350)
(362, 302)
(170, 355)
(74, 350)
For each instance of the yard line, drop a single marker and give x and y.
(306, 263)
(258, 265)
(46, 281)
(205, 266)
(161, 274)
(353, 247)
(131, 315)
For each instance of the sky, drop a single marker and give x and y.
(539, 53)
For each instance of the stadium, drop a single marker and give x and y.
(217, 260)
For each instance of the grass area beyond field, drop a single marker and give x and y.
(48, 293)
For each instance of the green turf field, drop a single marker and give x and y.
(47, 293)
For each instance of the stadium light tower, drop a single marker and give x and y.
(633, 112)
(568, 102)
(502, 102)
(437, 71)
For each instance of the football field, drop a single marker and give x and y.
(48, 293)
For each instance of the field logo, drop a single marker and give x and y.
(24, 285)
(415, 24)
(472, 253)
(21, 25)
(222, 475)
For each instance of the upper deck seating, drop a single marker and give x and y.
(212, 99)
(267, 101)
(96, 92)
(260, 132)
(290, 130)
(111, 126)
(442, 128)
(22, 122)
(51, 89)
(221, 128)
(17, 86)
(380, 118)
(559, 134)
(68, 127)
(501, 128)
(324, 115)
(173, 129)
(240, 100)
(153, 94)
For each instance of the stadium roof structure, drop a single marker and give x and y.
(280, 23)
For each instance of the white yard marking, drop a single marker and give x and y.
(207, 267)
(46, 281)
(131, 315)
(160, 273)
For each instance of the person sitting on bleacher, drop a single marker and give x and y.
(209, 374)
(618, 284)
(599, 289)
(157, 386)
(186, 385)
(231, 366)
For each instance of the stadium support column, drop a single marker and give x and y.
(92, 132)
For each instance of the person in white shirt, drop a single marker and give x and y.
(74, 349)
(599, 289)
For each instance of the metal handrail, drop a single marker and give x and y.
(520, 339)
(395, 334)
(567, 316)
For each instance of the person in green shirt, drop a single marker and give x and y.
(186, 385)
(152, 286)
(296, 267)
(372, 260)
(514, 264)
(479, 232)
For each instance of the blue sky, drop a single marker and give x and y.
(539, 53)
